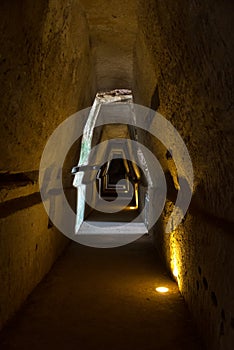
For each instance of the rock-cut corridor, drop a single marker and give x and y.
(177, 58)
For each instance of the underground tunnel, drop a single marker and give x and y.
(165, 290)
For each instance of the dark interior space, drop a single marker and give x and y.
(177, 58)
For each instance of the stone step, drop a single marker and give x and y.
(105, 227)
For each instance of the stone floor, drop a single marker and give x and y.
(104, 299)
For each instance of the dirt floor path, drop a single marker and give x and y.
(104, 299)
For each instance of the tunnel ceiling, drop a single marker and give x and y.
(113, 27)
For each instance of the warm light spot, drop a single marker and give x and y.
(175, 257)
(162, 289)
(136, 197)
(175, 272)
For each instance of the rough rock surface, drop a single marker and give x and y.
(113, 29)
(185, 50)
(46, 75)
(182, 65)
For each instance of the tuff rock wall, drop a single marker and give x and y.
(46, 75)
(184, 68)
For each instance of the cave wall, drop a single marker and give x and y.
(113, 28)
(184, 68)
(46, 75)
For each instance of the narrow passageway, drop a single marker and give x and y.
(104, 299)
(59, 61)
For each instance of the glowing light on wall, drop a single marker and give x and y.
(174, 257)
(136, 198)
(175, 271)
